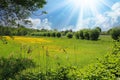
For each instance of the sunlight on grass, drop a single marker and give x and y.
(57, 51)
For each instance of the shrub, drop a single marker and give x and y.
(53, 34)
(44, 34)
(69, 35)
(58, 34)
(98, 28)
(48, 34)
(86, 34)
(107, 68)
(77, 36)
(115, 33)
(94, 34)
(81, 34)
(10, 67)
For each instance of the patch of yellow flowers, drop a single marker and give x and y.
(29, 39)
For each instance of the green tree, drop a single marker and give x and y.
(77, 36)
(86, 34)
(58, 34)
(81, 34)
(94, 34)
(11, 10)
(53, 34)
(69, 35)
(98, 28)
(115, 33)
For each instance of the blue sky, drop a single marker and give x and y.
(78, 14)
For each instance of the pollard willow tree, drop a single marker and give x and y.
(12, 11)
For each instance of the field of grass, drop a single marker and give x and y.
(53, 52)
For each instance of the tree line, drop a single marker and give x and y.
(84, 34)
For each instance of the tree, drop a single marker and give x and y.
(77, 35)
(81, 34)
(13, 10)
(86, 34)
(94, 34)
(98, 28)
(115, 33)
(58, 34)
(53, 34)
(69, 35)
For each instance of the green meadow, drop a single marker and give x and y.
(53, 52)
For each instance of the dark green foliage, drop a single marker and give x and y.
(32, 76)
(109, 31)
(94, 34)
(48, 34)
(77, 35)
(81, 34)
(53, 34)
(86, 34)
(58, 34)
(10, 67)
(115, 33)
(9, 31)
(98, 28)
(69, 35)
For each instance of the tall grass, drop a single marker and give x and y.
(54, 52)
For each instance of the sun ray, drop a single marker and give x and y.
(75, 12)
(57, 7)
(106, 3)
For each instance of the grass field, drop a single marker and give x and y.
(52, 52)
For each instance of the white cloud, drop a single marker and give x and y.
(109, 19)
(67, 28)
(35, 22)
(40, 24)
(106, 20)
(116, 6)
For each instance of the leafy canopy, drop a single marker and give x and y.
(11, 10)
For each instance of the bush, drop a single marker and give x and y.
(77, 35)
(53, 34)
(107, 68)
(81, 34)
(98, 28)
(10, 67)
(48, 34)
(44, 34)
(86, 34)
(94, 34)
(115, 33)
(58, 34)
(69, 35)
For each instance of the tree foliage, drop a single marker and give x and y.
(58, 34)
(94, 34)
(88, 34)
(11, 10)
(99, 29)
(69, 35)
(115, 33)
(10, 67)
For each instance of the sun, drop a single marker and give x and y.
(85, 9)
(79, 12)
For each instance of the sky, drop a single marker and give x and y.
(77, 14)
